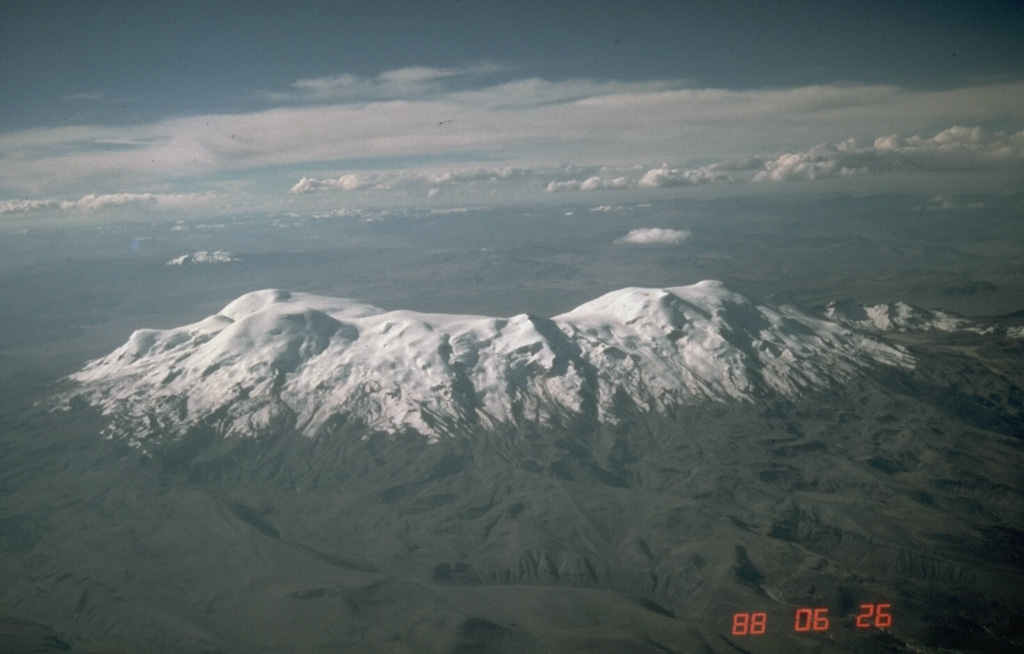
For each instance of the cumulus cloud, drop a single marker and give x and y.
(641, 177)
(343, 183)
(821, 161)
(592, 183)
(460, 175)
(655, 236)
(957, 148)
(434, 179)
(665, 177)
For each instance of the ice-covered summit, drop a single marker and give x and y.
(274, 360)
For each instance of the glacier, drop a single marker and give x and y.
(274, 360)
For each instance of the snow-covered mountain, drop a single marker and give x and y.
(898, 317)
(278, 360)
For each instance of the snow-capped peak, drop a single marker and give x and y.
(273, 359)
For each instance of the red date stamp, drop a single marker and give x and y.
(812, 620)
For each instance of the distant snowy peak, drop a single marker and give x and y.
(202, 256)
(276, 360)
(898, 317)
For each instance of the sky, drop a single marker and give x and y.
(128, 110)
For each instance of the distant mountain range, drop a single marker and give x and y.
(277, 360)
(898, 317)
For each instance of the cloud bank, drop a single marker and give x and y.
(405, 179)
(94, 202)
(957, 148)
(437, 132)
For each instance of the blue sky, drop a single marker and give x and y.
(114, 110)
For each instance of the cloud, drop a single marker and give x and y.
(398, 83)
(343, 183)
(655, 236)
(369, 134)
(25, 206)
(952, 149)
(821, 161)
(592, 183)
(607, 208)
(94, 202)
(666, 177)
(639, 177)
(584, 96)
(434, 179)
(956, 149)
(218, 256)
(420, 74)
(525, 122)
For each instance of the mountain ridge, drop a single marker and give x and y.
(898, 317)
(273, 359)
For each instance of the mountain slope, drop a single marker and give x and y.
(276, 360)
(897, 317)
